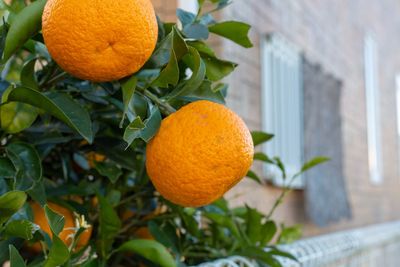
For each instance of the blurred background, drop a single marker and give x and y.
(324, 77)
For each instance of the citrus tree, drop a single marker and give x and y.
(101, 104)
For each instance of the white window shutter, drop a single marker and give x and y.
(372, 105)
(282, 107)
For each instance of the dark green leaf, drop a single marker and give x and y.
(21, 228)
(233, 30)
(224, 221)
(260, 137)
(55, 220)
(150, 250)
(28, 77)
(109, 170)
(10, 203)
(216, 69)
(110, 224)
(281, 253)
(202, 47)
(197, 78)
(144, 130)
(253, 225)
(196, 31)
(133, 130)
(252, 175)
(204, 92)
(3, 36)
(27, 162)
(262, 157)
(60, 105)
(268, 232)
(24, 26)
(259, 254)
(7, 169)
(281, 167)
(128, 92)
(174, 41)
(59, 253)
(162, 236)
(15, 259)
(170, 74)
(38, 193)
(314, 162)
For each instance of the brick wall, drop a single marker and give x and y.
(330, 33)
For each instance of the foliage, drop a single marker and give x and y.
(51, 123)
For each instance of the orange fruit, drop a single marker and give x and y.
(100, 40)
(199, 153)
(69, 226)
(93, 157)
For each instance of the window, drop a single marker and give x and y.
(398, 106)
(188, 5)
(372, 104)
(282, 108)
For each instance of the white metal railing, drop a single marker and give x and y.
(377, 245)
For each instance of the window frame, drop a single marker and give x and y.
(372, 103)
(269, 122)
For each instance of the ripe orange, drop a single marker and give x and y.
(100, 40)
(69, 227)
(93, 157)
(199, 153)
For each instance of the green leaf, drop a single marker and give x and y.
(38, 193)
(233, 30)
(204, 92)
(14, 116)
(21, 228)
(150, 250)
(196, 31)
(260, 137)
(197, 78)
(185, 17)
(174, 41)
(261, 255)
(15, 258)
(55, 220)
(252, 175)
(60, 105)
(253, 225)
(10, 203)
(27, 162)
(3, 36)
(109, 170)
(59, 253)
(262, 157)
(217, 69)
(281, 253)
(144, 130)
(224, 221)
(162, 236)
(170, 74)
(24, 26)
(110, 224)
(128, 92)
(202, 47)
(27, 76)
(7, 169)
(268, 231)
(290, 234)
(314, 162)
